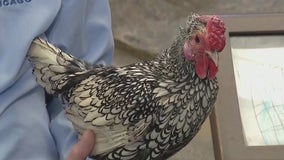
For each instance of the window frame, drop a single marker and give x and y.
(226, 126)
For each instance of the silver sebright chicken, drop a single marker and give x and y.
(142, 111)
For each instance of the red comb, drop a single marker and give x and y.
(215, 29)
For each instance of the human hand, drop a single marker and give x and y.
(83, 148)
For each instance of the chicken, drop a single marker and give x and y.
(142, 111)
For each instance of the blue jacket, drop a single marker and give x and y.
(28, 128)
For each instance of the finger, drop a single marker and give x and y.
(83, 148)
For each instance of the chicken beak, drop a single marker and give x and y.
(214, 56)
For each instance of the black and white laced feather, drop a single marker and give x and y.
(143, 111)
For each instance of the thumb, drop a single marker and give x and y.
(83, 148)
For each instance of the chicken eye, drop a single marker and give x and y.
(197, 39)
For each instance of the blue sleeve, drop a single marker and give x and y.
(28, 130)
(82, 28)
(24, 122)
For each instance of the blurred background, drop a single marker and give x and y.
(143, 28)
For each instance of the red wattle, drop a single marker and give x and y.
(213, 69)
(201, 66)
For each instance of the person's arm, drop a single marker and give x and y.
(24, 122)
(79, 27)
(83, 29)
